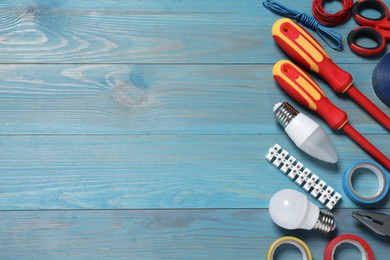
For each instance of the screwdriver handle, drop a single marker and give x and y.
(304, 90)
(307, 51)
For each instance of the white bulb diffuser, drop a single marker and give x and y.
(291, 209)
(306, 134)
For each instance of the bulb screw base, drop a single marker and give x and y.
(284, 113)
(325, 222)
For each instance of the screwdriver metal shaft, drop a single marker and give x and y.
(367, 146)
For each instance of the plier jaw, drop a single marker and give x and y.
(377, 222)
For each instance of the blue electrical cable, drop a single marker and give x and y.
(327, 35)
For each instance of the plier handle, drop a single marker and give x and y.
(377, 222)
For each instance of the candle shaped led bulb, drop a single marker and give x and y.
(305, 132)
(291, 209)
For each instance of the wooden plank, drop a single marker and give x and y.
(165, 31)
(156, 99)
(157, 171)
(164, 234)
(162, 107)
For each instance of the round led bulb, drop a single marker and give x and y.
(291, 209)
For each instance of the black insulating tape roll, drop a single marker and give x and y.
(381, 79)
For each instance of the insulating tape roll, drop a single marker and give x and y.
(360, 243)
(381, 79)
(306, 254)
(380, 173)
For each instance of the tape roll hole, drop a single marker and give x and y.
(349, 250)
(289, 251)
(367, 182)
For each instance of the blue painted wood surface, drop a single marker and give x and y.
(162, 234)
(138, 130)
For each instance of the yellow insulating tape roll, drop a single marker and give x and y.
(306, 254)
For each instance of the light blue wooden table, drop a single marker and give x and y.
(138, 130)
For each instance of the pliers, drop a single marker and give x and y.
(377, 222)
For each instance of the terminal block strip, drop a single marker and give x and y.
(303, 176)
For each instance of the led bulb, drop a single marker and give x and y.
(306, 134)
(291, 209)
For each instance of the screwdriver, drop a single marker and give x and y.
(305, 50)
(300, 86)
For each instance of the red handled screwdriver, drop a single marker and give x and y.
(305, 50)
(305, 90)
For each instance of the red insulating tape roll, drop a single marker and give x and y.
(360, 243)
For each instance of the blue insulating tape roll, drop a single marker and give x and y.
(380, 173)
(381, 79)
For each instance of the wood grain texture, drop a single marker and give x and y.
(156, 99)
(156, 171)
(138, 129)
(164, 234)
(166, 31)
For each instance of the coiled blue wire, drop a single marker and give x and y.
(327, 35)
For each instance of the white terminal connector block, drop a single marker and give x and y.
(303, 176)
